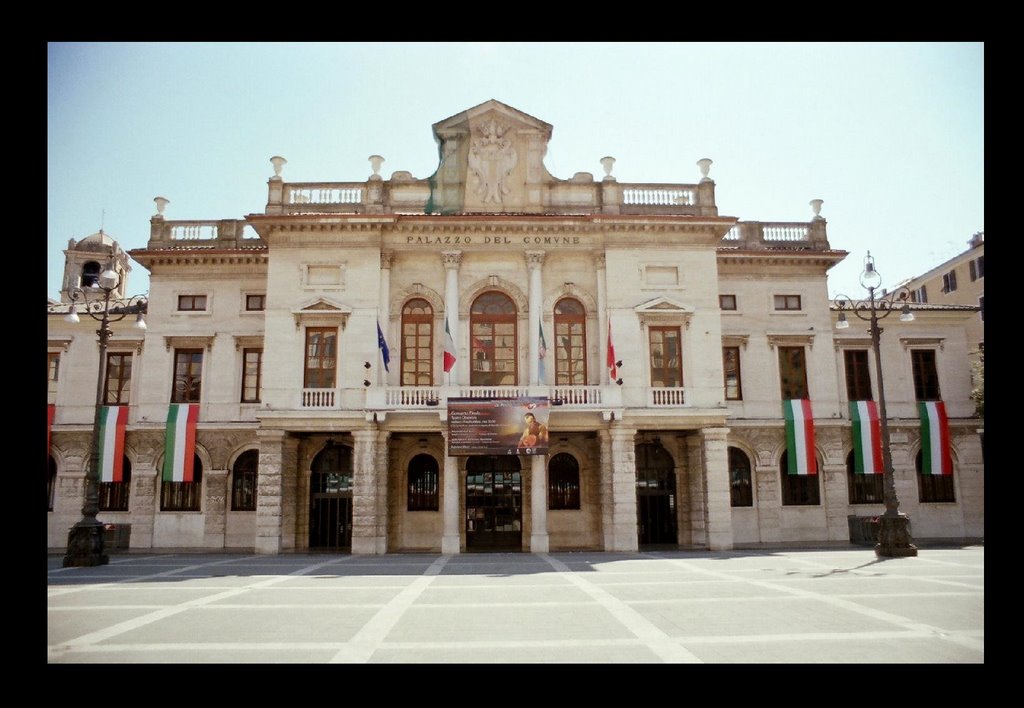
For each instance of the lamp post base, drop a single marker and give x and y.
(894, 539)
(85, 545)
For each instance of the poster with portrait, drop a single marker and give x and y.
(498, 426)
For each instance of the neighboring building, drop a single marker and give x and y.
(958, 281)
(270, 325)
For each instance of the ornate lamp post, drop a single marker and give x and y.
(893, 527)
(85, 539)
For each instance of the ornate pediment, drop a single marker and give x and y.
(665, 310)
(322, 310)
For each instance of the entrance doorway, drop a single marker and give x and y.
(655, 496)
(494, 503)
(330, 499)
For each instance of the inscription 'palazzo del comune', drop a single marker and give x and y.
(304, 441)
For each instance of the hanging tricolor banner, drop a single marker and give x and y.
(935, 455)
(449, 348)
(111, 453)
(180, 442)
(51, 411)
(867, 437)
(799, 436)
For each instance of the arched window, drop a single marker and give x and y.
(563, 482)
(417, 343)
(799, 489)
(243, 481)
(741, 492)
(933, 488)
(51, 481)
(492, 322)
(570, 343)
(423, 484)
(864, 488)
(114, 495)
(90, 273)
(183, 496)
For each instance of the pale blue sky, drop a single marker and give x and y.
(889, 135)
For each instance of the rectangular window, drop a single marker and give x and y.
(981, 304)
(188, 375)
(981, 267)
(254, 303)
(973, 270)
(858, 377)
(252, 366)
(792, 373)
(52, 370)
(321, 357)
(731, 365)
(787, 302)
(191, 303)
(666, 357)
(118, 379)
(727, 302)
(926, 376)
(923, 294)
(949, 281)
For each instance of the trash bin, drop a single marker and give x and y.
(117, 537)
(863, 530)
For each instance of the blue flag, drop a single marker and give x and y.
(383, 346)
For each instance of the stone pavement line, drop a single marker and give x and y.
(662, 645)
(87, 640)
(916, 628)
(367, 640)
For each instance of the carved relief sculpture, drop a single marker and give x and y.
(491, 160)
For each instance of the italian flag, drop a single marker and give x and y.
(799, 436)
(867, 437)
(112, 423)
(935, 454)
(180, 442)
(449, 348)
(613, 371)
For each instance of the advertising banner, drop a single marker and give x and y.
(498, 426)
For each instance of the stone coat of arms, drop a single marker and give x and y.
(491, 160)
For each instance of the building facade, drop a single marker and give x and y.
(661, 336)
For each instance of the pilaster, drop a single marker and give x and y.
(214, 507)
(269, 491)
(538, 504)
(369, 483)
(716, 479)
(623, 489)
(451, 538)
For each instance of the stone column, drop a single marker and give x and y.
(605, 468)
(716, 480)
(70, 492)
(369, 530)
(602, 319)
(215, 488)
(384, 313)
(538, 504)
(623, 489)
(451, 261)
(269, 497)
(289, 491)
(451, 541)
(696, 530)
(534, 264)
(144, 504)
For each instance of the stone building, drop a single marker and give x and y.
(269, 323)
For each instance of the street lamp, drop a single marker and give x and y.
(893, 527)
(85, 539)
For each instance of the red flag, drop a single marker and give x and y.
(449, 348)
(613, 371)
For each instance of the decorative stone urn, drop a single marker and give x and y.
(816, 207)
(607, 163)
(161, 204)
(375, 162)
(705, 165)
(278, 162)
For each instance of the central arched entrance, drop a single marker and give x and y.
(655, 496)
(494, 503)
(330, 499)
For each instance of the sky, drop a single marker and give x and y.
(889, 135)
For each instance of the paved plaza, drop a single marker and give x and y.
(837, 605)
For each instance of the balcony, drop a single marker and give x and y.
(425, 398)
